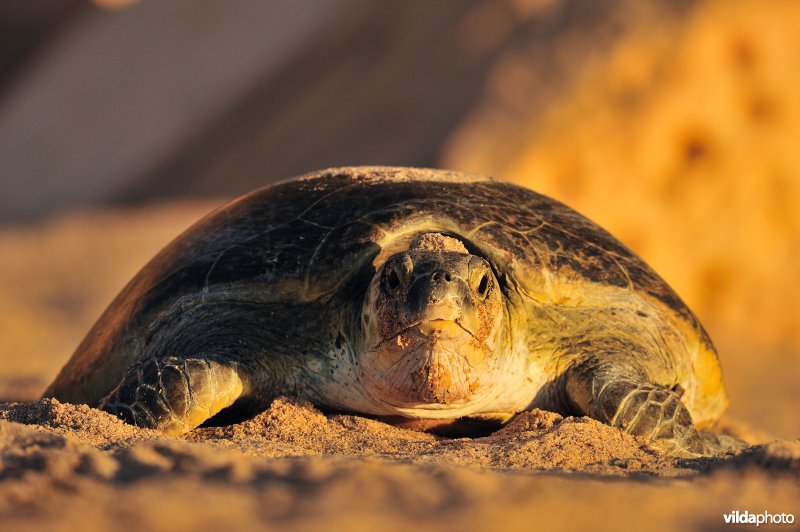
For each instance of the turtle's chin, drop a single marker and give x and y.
(426, 368)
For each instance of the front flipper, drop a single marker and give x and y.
(175, 394)
(627, 401)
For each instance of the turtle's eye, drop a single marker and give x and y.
(483, 286)
(392, 279)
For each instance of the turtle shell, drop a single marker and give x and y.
(315, 241)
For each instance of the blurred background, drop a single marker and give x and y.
(675, 124)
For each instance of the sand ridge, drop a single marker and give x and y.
(534, 441)
(293, 466)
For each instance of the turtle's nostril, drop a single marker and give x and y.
(438, 274)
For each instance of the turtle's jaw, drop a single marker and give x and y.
(435, 325)
(433, 362)
(440, 327)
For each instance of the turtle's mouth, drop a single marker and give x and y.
(438, 326)
(430, 329)
(443, 321)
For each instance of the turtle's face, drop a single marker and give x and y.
(432, 323)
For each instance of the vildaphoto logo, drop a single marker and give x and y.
(764, 518)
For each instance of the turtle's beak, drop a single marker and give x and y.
(436, 303)
(440, 320)
(436, 292)
(440, 312)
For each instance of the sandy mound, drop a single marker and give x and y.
(64, 466)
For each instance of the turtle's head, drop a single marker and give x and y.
(432, 320)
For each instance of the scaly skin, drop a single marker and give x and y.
(638, 408)
(175, 394)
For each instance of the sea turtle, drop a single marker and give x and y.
(402, 294)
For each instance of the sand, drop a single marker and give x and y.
(63, 467)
